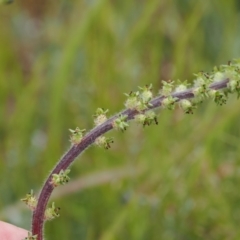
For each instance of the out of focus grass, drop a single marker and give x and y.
(59, 61)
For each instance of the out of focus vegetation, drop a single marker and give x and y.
(60, 60)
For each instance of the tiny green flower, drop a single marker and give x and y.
(182, 86)
(146, 118)
(187, 106)
(203, 80)
(231, 74)
(169, 102)
(219, 98)
(219, 76)
(104, 142)
(120, 123)
(76, 135)
(30, 200)
(146, 94)
(61, 178)
(51, 212)
(31, 237)
(140, 118)
(150, 118)
(200, 93)
(100, 116)
(199, 81)
(167, 88)
(133, 101)
(233, 85)
(200, 90)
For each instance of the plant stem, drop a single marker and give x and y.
(88, 139)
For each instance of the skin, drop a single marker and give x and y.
(11, 232)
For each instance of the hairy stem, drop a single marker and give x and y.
(88, 139)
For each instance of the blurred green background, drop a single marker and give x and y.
(60, 60)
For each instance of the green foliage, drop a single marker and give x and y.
(61, 61)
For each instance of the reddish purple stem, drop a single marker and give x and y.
(88, 139)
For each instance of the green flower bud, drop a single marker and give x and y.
(218, 97)
(51, 212)
(212, 93)
(30, 200)
(200, 81)
(100, 116)
(76, 135)
(180, 88)
(169, 102)
(133, 103)
(30, 237)
(187, 106)
(232, 85)
(146, 118)
(61, 178)
(146, 94)
(120, 123)
(218, 76)
(167, 88)
(103, 142)
(140, 118)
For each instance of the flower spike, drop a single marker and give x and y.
(140, 107)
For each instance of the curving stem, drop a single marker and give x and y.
(88, 139)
